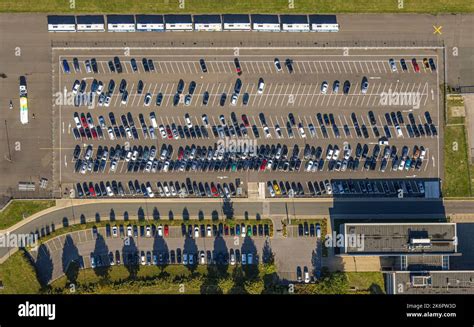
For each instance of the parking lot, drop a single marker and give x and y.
(379, 121)
(151, 244)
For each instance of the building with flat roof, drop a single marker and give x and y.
(207, 23)
(178, 22)
(120, 23)
(236, 22)
(323, 23)
(430, 282)
(294, 23)
(395, 239)
(401, 246)
(90, 23)
(66, 23)
(265, 23)
(150, 23)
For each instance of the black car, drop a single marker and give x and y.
(202, 63)
(432, 64)
(145, 65)
(123, 85)
(300, 230)
(223, 99)
(346, 88)
(75, 62)
(133, 63)
(118, 65)
(428, 118)
(159, 99)
(205, 98)
(140, 87)
(176, 99)
(151, 66)
(403, 64)
(289, 65)
(111, 66)
(373, 122)
(192, 88)
(111, 87)
(245, 99)
(94, 65)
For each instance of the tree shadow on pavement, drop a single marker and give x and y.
(101, 250)
(71, 260)
(44, 265)
(160, 249)
(130, 257)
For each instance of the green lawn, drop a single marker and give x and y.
(456, 181)
(20, 209)
(345, 283)
(366, 282)
(241, 6)
(18, 275)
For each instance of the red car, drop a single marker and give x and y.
(245, 120)
(238, 69)
(84, 121)
(180, 153)
(167, 231)
(214, 190)
(91, 190)
(415, 65)
(169, 132)
(263, 165)
(94, 133)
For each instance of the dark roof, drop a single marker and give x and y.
(265, 19)
(235, 19)
(178, 19)
(61, 20)
(207, 19)
(90, 19)
(120, 19)
(294, 19)
(149, 19)
(322, 19)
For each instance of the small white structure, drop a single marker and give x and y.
(265, 23)
(61, 24)
(178, 23)
(207, 23)
(120, 23)
(294, 23)
(236, 22)
(323, 23)
(150, 23)
(90, 23)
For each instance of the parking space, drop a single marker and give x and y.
(250, 116)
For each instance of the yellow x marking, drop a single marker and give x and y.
(437, 29)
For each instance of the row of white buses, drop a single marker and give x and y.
(161, 23)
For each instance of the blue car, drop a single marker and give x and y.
(66, 68)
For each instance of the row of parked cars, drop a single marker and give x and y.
(187, 230)
(178, 256)
(349, 188)
(427, 63)
(162, 189)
